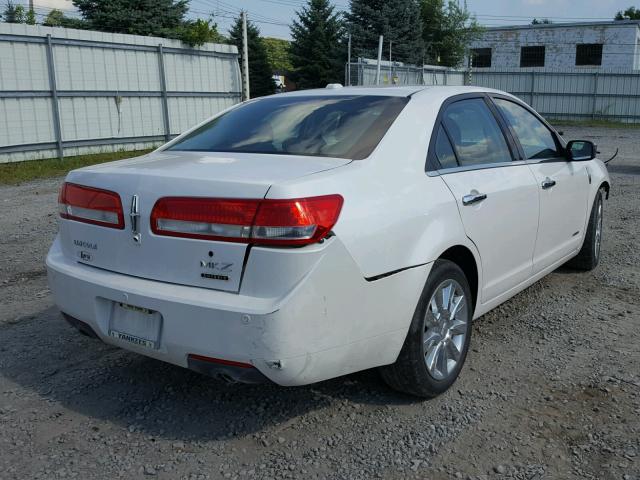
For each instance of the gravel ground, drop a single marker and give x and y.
(551, 388)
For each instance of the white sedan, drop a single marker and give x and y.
(304, 236)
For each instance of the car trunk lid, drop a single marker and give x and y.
(141, 181)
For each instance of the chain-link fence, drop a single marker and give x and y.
(365, 72)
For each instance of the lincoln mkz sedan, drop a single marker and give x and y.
(304, 236)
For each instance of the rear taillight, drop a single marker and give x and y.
(91, 205)
(295, 222)
(290, 222)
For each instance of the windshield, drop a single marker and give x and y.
(328, 126)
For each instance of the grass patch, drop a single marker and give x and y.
(593, 123)
(18, 172)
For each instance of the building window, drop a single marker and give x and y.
(532, 57)
(481, 57)
(589, 54)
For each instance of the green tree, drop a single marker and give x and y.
(196, 32)
(260, 74)
(137, 17)
(399, 22)
(631, 13)
(278, 53)
(317, 48)
(14, 13)
(30, 17)
(448, 29)
(56, 18)
(161, 18)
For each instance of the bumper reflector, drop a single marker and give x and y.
(227, 370)
(220, 361)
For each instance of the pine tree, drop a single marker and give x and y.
(399, 22)
(30, 17)
(160, 18)
(137, 17)
(316, 50)
(448, 28)
(631, 13)
(260, 75)
(13, 13)
(57, 18)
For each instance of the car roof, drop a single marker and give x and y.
(392, 91)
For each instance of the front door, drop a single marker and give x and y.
(497, 197)
(563, 186)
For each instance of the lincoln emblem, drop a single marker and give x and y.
(134, 214)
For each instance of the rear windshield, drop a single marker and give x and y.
(336, 126)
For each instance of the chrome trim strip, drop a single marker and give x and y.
(469, 168)
(515, 163)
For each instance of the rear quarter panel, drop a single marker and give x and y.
(394, 215)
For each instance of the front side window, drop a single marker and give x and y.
(327, 126)
(536, 139)
(475, 133)
(532, 56)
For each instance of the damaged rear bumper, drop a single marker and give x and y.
(333, 322)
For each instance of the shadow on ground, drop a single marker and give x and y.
(48, 357)
(624, 169)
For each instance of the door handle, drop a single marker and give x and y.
(548, 183)
(472, 198)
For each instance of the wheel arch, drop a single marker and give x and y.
(466, 260)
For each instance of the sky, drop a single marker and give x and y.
(274, 16)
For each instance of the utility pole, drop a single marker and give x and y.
(245, 58)
(390, 65)
(31, 5)
(349, 62)
(379, 59)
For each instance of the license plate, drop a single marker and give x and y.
(135, 325)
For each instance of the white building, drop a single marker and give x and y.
(613, 45)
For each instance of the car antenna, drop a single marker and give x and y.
(606, 162)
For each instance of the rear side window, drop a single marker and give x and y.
(444, 150)
(475, 133)
(327, 126)
(536, 139)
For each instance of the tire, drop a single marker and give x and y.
(410, 373)
(589, 255)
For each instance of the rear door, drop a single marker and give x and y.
(497, 197)
(563, 185)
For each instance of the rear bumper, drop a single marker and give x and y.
(333, 322)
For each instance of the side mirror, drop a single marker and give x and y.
(581, 150)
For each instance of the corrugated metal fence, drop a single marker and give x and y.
(73, 92)
(560, 95)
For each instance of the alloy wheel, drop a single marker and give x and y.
(598, 239)
(445, 329)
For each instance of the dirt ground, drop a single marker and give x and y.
(550, 390)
